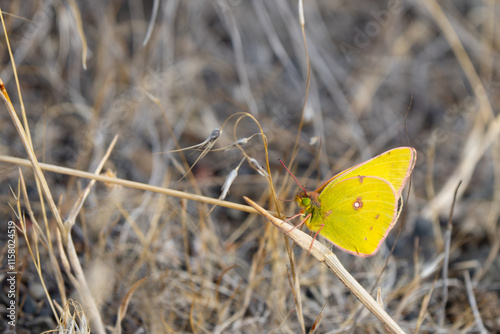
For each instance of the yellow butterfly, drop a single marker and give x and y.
(357, 208)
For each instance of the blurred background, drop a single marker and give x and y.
(164, 75)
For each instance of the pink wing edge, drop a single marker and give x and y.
(409, 170)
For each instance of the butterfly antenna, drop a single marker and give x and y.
(292, 175)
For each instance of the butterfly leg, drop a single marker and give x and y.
(292, 217)
(310, 248)
(298, 225)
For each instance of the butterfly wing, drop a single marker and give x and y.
(356, 214)
(394, 166)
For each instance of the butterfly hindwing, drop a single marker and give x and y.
(356, 214)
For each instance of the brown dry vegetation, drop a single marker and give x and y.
(139, 260)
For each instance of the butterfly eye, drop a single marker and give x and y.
(306, 201)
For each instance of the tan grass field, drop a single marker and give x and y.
(135, 129)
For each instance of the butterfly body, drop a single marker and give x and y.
(357, 208)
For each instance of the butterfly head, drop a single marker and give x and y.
(302, 199)
(305, 199)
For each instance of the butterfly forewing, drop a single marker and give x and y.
(394, 166)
